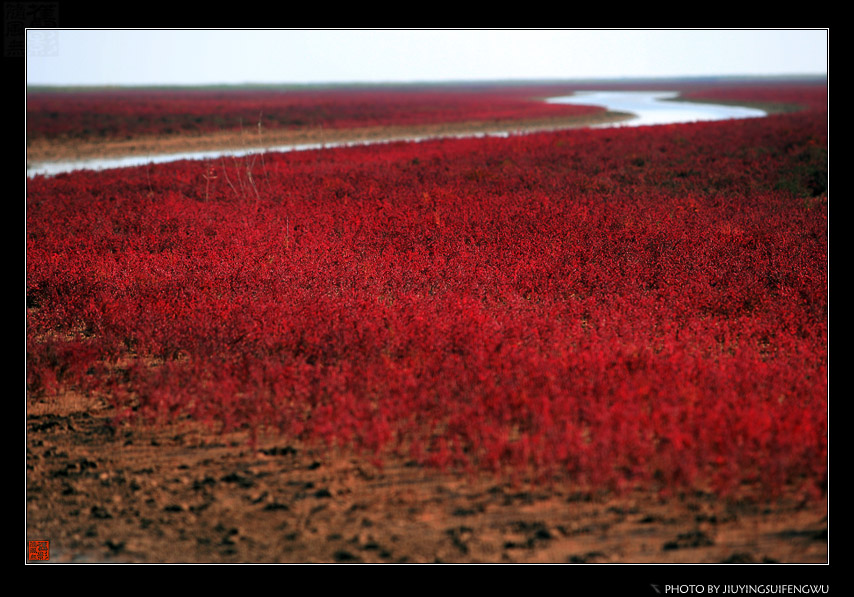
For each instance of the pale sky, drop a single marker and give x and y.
(190, 57)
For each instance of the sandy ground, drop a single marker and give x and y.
(180, 494)
(43, 150)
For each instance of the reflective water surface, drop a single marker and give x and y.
(656, 107)
(649, 108)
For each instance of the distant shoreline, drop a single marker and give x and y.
(705, 79)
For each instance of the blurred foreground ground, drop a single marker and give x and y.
(102, 494)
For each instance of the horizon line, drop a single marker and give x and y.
(463, 81)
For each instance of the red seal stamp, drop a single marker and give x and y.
(38, 550)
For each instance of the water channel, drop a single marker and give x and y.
(648, 107)
(656, 107)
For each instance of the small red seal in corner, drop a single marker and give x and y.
(38, 550)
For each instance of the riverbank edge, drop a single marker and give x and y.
(43, 151)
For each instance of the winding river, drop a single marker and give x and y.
(648, 108)
(656, 107)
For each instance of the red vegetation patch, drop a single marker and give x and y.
(124, 113)
(804, 95)
(638, 307)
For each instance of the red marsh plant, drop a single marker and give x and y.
(122, 113)
(637, 307)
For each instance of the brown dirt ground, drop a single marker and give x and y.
(43, 150)
(179, 494)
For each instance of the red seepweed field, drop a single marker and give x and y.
(609, 310)
(128, 112)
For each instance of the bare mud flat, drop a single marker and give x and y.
(102, 494)
(44, 150)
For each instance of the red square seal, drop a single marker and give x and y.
(38, 550)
